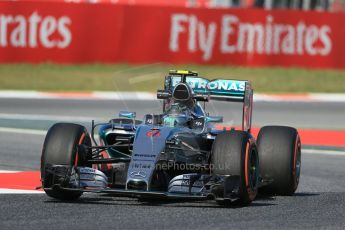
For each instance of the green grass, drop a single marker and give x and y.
(122, 77)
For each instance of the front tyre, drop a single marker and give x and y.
(61, 147)
(280, 159)
(234, 153)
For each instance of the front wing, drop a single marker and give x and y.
(192, 186)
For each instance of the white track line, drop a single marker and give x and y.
(328, 97)
(324, 152)
(29, 132)
(142, 96)
(96, 95)
(35, 117)
(19, 191)
(8, 171)
(23, 131)
(18, 94)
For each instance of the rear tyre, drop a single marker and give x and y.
(235, 153)
(61, 147)
(279, 150)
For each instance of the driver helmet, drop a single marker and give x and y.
(176, 116)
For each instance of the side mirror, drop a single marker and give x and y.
(162, 94)
(201, 97)
(125, 114)
(216, 119)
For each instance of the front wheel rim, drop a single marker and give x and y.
(298, 166)
(253, 170)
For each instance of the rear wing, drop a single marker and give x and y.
(220, 90)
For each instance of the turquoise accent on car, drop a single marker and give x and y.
(219, 87)
(216, 119)
(126, 114)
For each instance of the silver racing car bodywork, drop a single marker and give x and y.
(148, 144)
(163, 155)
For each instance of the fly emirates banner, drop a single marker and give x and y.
(84, 33)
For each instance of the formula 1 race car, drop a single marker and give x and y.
(176, 154)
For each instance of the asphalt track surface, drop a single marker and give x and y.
(318, 204)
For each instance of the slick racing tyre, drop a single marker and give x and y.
(279, 150)
(61, 147)
(234, 153)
